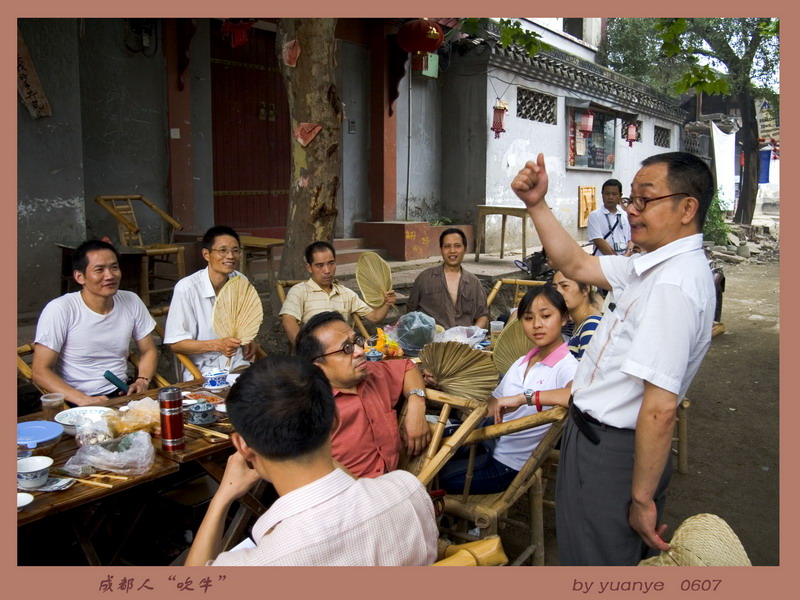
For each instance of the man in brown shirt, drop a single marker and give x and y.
(447, 292)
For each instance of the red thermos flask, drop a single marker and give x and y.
(171, 404)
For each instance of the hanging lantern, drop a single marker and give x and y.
(238, 30)
(587, 123)
(631, 136)
(497, 122)
(419, 37)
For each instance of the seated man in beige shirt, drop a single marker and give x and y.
(321, 293)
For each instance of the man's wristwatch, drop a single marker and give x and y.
(418, 392)
(528, 397)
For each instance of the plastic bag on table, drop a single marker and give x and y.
(88, 432)
(131, 454)
(412, 331)
(467, 335)
(141, 415)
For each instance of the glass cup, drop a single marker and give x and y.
(495, 327)
(52, 404)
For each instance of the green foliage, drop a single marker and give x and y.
(442, 221)
(511, 34)
(715, 228)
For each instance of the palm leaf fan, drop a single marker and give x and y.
(374, 278)
(510, 345)
(460, 370)
(238, 311)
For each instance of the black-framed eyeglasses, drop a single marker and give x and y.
(347, 348)
(224, 251)
(639, 202)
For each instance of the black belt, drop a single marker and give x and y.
(582, 420)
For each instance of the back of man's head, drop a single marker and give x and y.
(216, 231)
(307, 343)
(283, 407)
(80, 258)
(687, 173)
(314, 247)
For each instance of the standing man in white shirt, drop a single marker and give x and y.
(283, 411)
(616, 449)
(189, 327)
(81, 335)
(608, 226)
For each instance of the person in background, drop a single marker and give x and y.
(582, 310)
(322, 293)
(189, 328)
(283, 413)
(449, 293)
(81, 335)
(608, 225)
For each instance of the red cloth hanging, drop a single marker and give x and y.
(497, 123)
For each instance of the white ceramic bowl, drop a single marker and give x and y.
(216, 379)
(71, 418)
(23, 499)
(32, 471)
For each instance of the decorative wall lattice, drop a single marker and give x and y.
(535, 106)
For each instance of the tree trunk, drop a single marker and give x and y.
(316, 167)
(748, 187)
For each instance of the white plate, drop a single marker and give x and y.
(221, 408)
(202, 396)
(23, 499)
(70, 417)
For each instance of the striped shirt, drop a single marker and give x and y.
(341, 521)
(306, 299)
(583, 334)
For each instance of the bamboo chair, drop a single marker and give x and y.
(520, 288)
(282, 287)
(121, 208)
(439, 451)
(487, 552)
(487, 511)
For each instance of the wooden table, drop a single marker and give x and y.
(505, 211)
(199, 449)
(255, 248)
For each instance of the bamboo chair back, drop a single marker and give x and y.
(283, 285)
(439, 451)
(486, 511)
(521, 286)
(122, 209)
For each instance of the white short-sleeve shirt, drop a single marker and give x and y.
(601, 221)
(659, 330)
(88, 343)
(552, 373)
(189, 318)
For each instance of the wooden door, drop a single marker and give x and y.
(250, 128)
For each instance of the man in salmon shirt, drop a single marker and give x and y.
(368, 439)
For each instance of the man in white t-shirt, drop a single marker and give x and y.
(189, 327)
(616, 448)
(283, 413)
(608, 226)
(81, 335)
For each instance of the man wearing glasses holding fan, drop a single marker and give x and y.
(189, 329)
(367, 440)
(616, 450)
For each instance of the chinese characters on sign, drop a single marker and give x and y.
(28, 84)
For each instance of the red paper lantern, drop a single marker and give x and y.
(420, 36)
(631, 137)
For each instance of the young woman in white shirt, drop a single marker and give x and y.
(543, 376)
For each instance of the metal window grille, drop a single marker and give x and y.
(535, 106)
(661, 136)
(624, 130)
